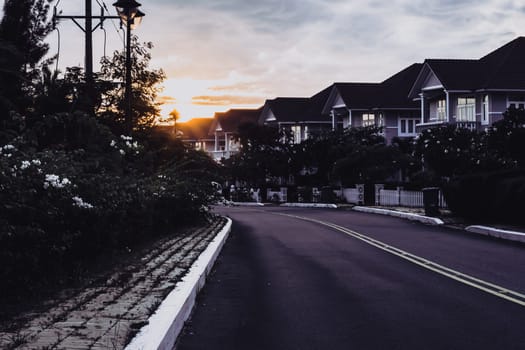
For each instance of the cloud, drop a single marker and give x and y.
(166, 100)
(276, 48)
(226, 100)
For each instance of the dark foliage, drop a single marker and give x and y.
(488, 197)
(71, 190)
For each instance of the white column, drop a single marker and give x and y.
(226, 143)
(350, 118)
(332, 114)
(422, 108)
(216, 141)
(448, 106)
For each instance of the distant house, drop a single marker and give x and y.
(195, 132)
(301, 116)
(225, 126)
(384, 104)
(471, 93)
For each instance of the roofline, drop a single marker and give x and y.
(397, 109)
(306, 122)
(500, 90)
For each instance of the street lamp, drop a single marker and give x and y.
(131, 16)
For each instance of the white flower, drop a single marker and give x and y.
(36, 162)
(113, 143)
(126, 138)
(25, 164)
(79, 202)
(122, 152)
(9, 148)
(52, 180)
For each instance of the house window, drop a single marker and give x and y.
(516, 101)
(466, 109)
(369, 120)
(381, 121)
(296, 133)
(407, 126)
(441, 112)
(485, 110)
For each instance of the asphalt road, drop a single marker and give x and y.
(283, 282)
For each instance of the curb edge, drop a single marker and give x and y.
(165, 325)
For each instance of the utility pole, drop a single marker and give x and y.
(89, 45)
(88, 32)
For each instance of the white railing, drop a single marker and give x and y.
(404, 198)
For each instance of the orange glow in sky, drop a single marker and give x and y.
(200, 98)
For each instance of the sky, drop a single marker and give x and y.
(221, 54)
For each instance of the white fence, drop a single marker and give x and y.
(404, 198)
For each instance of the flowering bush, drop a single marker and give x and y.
(64, 200)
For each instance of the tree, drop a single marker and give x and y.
(145, 88)
(23, 29)
(506, 138)
(263, 155)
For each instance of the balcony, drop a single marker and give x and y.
(218, 155)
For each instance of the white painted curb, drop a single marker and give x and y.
(310, 205)
(409, 216)
(248, 204)
(166, 323)
(494, 232)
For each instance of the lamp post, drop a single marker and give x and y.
(131, 16)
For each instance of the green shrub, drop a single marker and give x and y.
(491, 196)
(70, 191)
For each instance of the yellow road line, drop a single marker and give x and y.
(485, 286)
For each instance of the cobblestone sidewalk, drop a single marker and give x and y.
(108, 315)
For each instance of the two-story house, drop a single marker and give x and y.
(195, 132)
(300, 116)
(385, 104)
(224, 127)
(471, 93)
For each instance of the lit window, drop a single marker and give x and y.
(441, 112)
(485, 111)
(296, 132)
(369, 119)
(466, 109)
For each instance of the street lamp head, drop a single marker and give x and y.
(135, 22)
(127, 9)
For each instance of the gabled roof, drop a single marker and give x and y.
(395, 89)
(392, 93)
(506, 66)
(457, 74)
(296, 109)
(230, 120)
(195, 129)
(502, 69)
(359, 95)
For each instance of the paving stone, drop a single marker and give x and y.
(102, 317)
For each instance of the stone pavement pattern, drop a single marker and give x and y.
(107, 316)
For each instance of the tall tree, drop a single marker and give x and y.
(145, 87)
(23, 28)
